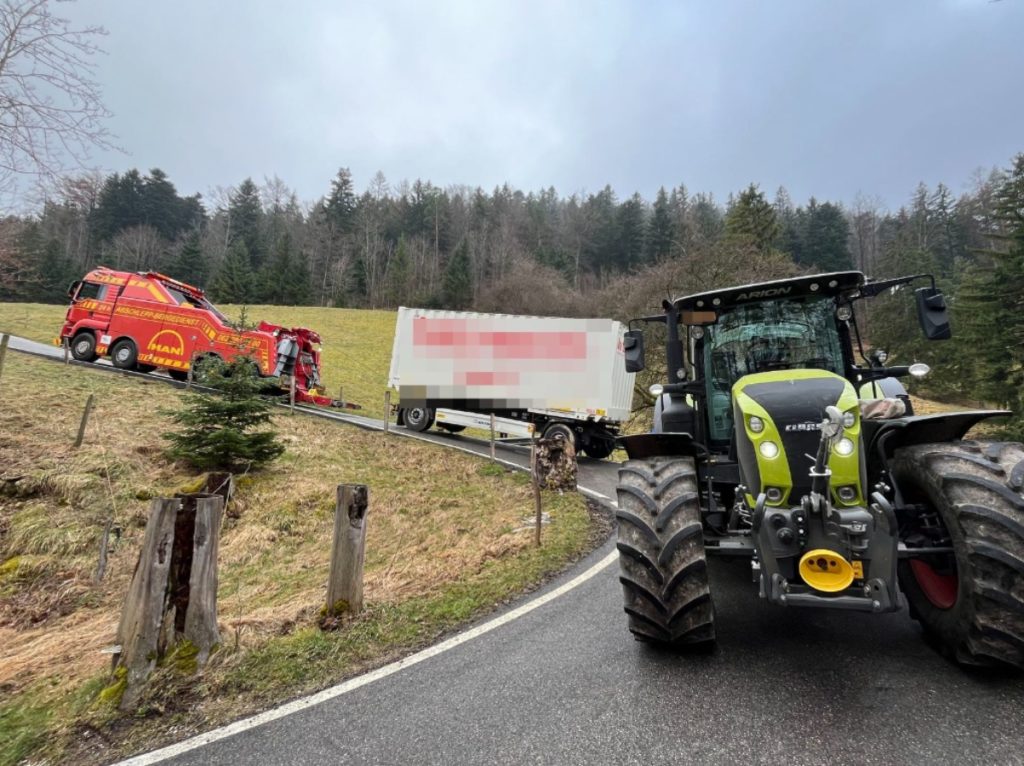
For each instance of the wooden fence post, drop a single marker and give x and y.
(387, 410)
(66, 343)
(200, 618)
(536, 490)
(3, 351)
(85, 421)
(345, 586)
(173, 593)
(291, 393)
(492, 437)
(142, 617)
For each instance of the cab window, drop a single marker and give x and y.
(91, 290)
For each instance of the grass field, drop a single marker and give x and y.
(446, 540)
(356, 343)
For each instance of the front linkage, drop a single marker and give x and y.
(830, 547)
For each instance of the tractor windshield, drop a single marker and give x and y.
(773, 335)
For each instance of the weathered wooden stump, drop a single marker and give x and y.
(173, 592)
(555, 466)
(345, 586)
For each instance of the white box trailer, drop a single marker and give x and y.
(564, 376)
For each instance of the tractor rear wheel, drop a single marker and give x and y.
(663, 568)
(971, 497)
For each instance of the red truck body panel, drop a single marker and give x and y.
(171, 324)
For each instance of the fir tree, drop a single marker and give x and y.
(751, 219)
(190, 265)
(245, 217)
(223, 431)
(397, 279)
(234, 282)
(659, 230)
(458, 283)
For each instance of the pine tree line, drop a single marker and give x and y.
(413, 244)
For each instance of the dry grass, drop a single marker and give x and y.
(435, 523)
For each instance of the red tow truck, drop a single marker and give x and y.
(147, 321)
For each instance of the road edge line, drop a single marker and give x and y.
(352, 684)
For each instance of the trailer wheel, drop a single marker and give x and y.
(124, 354)
(663, 567)
(559, 430)
(598, 446)
(83, 347)
(419, 418)
(970, 496)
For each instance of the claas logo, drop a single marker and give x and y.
(167, 342)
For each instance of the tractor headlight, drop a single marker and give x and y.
(844, 313)
(770, 449)
(849, 419)
(657, 389)
(756, 424)
(697, 332)
(844, 447)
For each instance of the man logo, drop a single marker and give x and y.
(167, 342)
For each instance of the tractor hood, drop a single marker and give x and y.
(778, 417)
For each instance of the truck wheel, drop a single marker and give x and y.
(970, 602)
(663, 568)
(598, 446)
(124, 354)
(83, 347)
(562, 431)
(419, 418)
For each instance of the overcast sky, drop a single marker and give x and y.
(826, 98)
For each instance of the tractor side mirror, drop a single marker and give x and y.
(73, 287)
(931, 312)
(633, 343)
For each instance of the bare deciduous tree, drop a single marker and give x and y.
(51, 109)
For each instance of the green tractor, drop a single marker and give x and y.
(772, 442)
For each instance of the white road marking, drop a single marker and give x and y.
(368, 678)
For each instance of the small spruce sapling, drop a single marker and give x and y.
(224, 431)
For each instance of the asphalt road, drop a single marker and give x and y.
(566, 684)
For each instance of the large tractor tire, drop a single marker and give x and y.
(971, 602)
(663, 568)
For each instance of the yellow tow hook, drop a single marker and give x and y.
(826, 570)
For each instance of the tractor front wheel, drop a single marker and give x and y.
(968, 496)
(663, 568)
